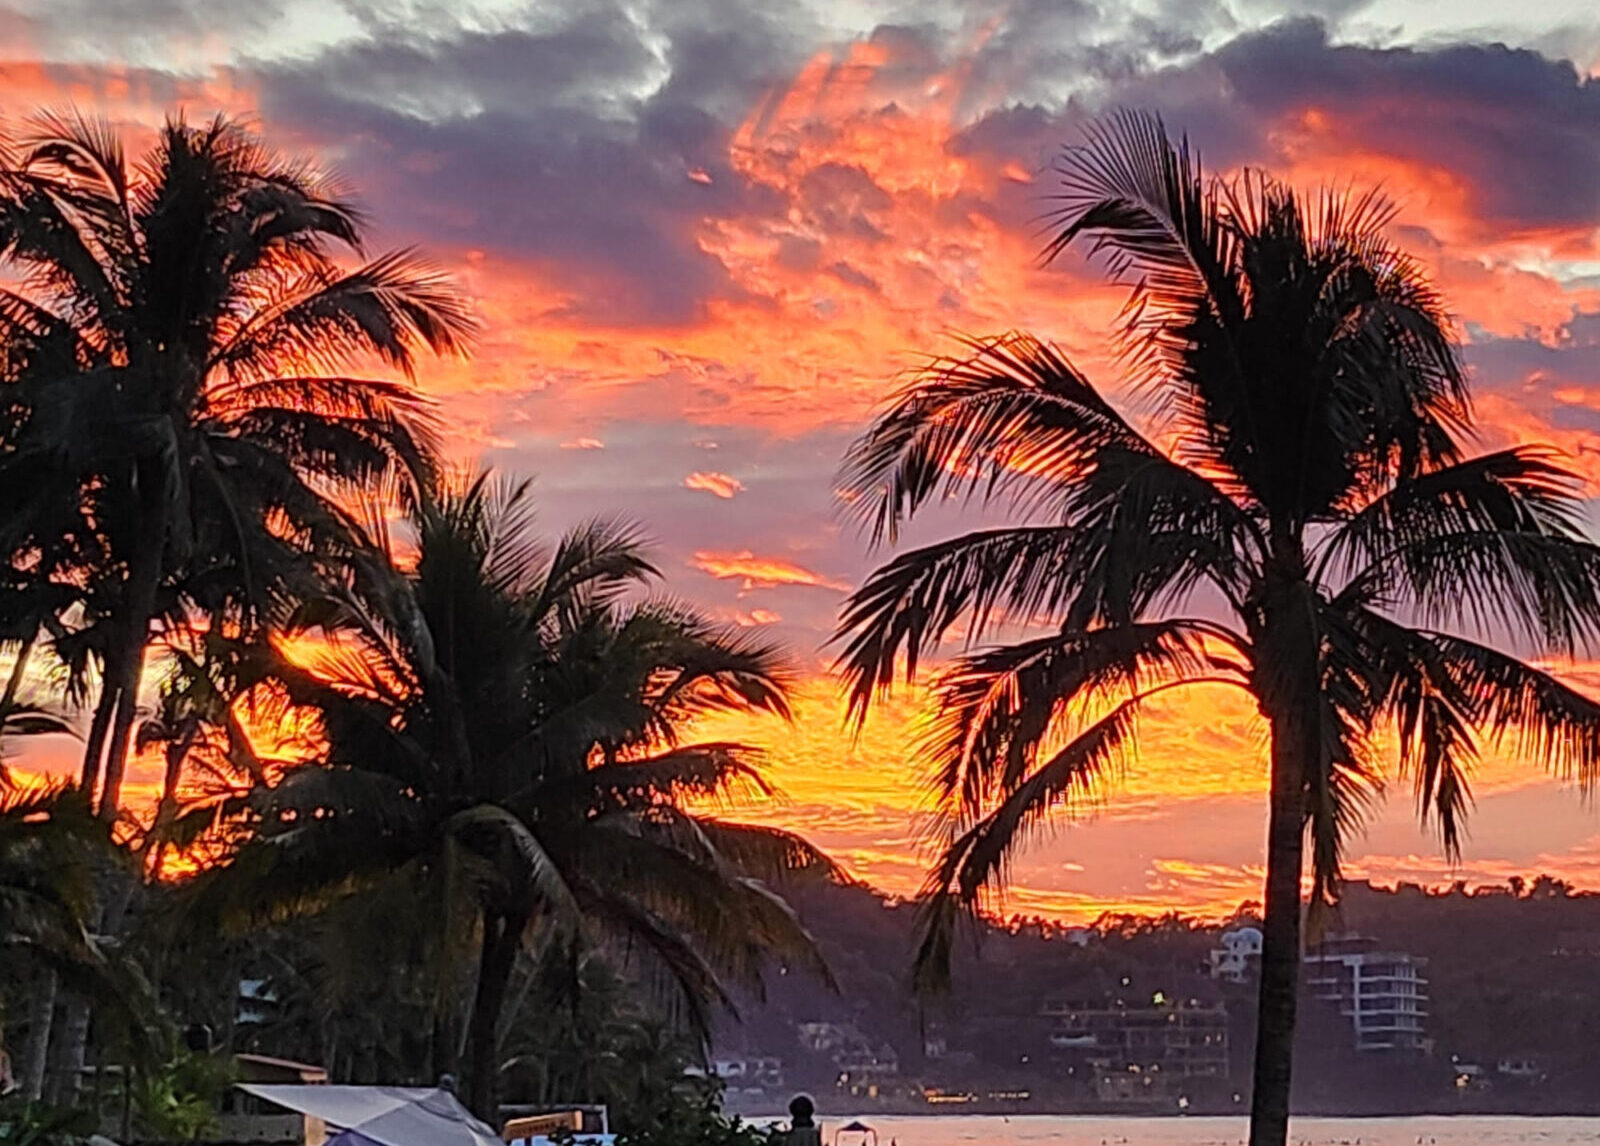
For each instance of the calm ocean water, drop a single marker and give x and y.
(977, 1129)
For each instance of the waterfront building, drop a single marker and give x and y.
(1382, 994)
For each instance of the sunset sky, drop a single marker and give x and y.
(705, 238)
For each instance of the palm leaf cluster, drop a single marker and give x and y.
(1298, 518)
(178, 420)
(504, 742)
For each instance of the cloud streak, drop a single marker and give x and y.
(757, 572)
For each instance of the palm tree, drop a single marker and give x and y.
(176, 397)
(1303, 524)
(503, 750)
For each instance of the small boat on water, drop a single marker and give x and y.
(855, 1134)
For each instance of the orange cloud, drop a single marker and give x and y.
(760, 572)
(720, 485)
(757, 617)
(1182, 828)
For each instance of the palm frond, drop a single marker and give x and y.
(734, 921)
(1537, 586)
(1148, 210)
(592, 565)
(771, 855)
(975, 856)
(338, 450)
(393, 307)
(1341, 790)
(672, 965)
(1013, 417)
(696, 666)
(905, 608)
(997, 708)
(696, 771)
(53, 226)
(1525, 708)
(1519, 490)
(315, 838)
(529, 877)
(1138, 541)
(1449, 697)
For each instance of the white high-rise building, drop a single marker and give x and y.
(1382, 993)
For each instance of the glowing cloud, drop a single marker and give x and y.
(755, 618)
(760, 572)
(721, 485)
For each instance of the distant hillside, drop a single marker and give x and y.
(1513, 976)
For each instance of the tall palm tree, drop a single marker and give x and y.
(503, 740)
(1303, 525)
(176, 394)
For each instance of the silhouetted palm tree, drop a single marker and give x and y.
(503, 751)
(176, 411)
(1302, 525)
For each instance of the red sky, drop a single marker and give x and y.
(706, 238)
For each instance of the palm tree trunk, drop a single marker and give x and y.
(122, 729)
(1280, 954)
(143, 581)
(1289, 689)
(117, 887)
(94, 746)
(36, 1055)
(502, 936)
(70, 1046)
(166, 805)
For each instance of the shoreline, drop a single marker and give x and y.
(763, 1117)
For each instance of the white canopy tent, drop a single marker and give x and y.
(383, 1115)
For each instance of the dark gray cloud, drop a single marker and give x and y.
(1519, 130)
(593, 148)
(1522, 130)
(591, 139)
(1557, 381)
(139, 33)
(595, 144)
